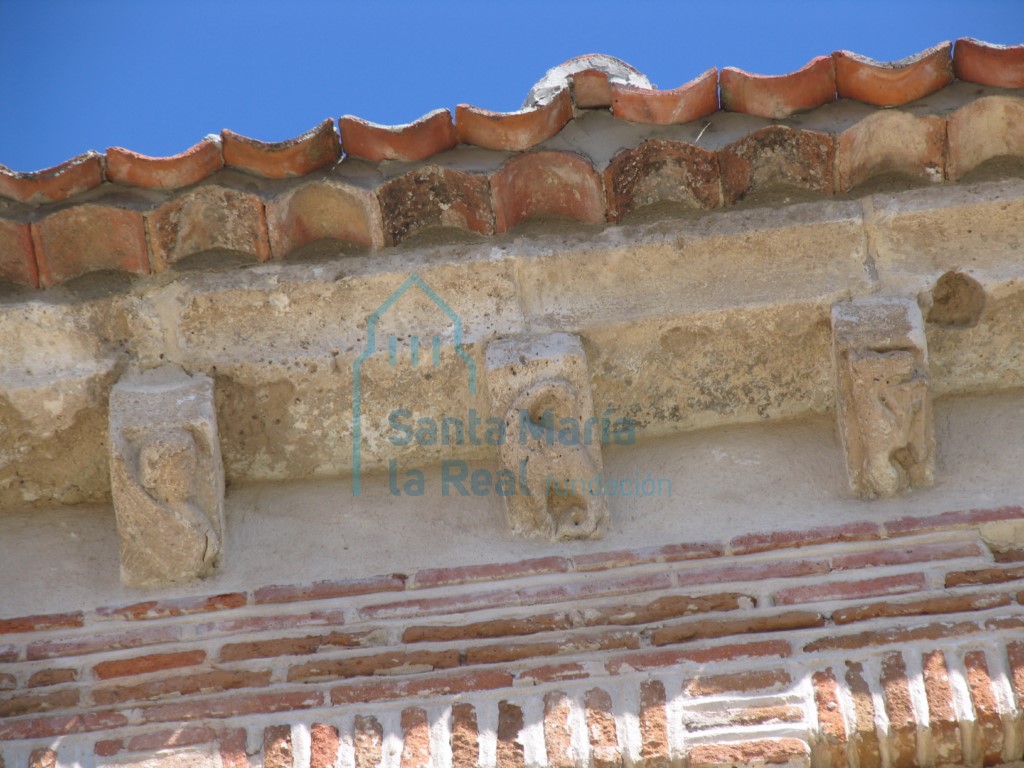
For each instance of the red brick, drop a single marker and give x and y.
(828, 534)
(578, 643)
(663, 608)
(324, 590)
(86, 238)
(705, 628)
(70, 178)
(360, 666)
(10, 652)
(510, 725)
(659, 171)
(324, 743)
(426, 606)
(986, 708)
(107, 747)
(738, 682)
(415, 738)
(295, 646)
(753, 572)
(188, 167)
(557, 731)
(695, 99)
(208, 217)
(513, 131)
(8, 682)
(183, 685)
(780, 156)
(182, 606)
(943, 724)
(831, 746)
(141, 665)
(425, 687)
(369, 737)
(235, 705)
(277, 747)
(466, 574)
(900, 710)
(935, 605)
(743, 753)
(546, 184)
(892, 141)
(552, 673)
(907, 526)
(624, 558)
(1015, 653)
(654, 747)
(529, 625)
(42, 757)
(113, 641)
(779, 96)
(432, 133)
(581, 590)
(34, 703)
(890, 83)
(17, 254)
(604, 742)
(60, 725)
(41, 622)
(919, 553)
(316, 148)
(643, 660)
(188, 736)
(465, 740)
(987, 64)
(895, 636)
(984, 576)
(430, 197)
(274, 622)
(743, 717)
(324, 210)
(232, 749)
(865, 737)
(850, 590)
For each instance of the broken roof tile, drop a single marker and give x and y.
(891, 83)
(17, 256)
(87, 238)
(323, 210)
(690, 101)
(987, 64)
(779, 96)
(70, 178)
(660, 170)
(546, 184)
(418, 140)
(513, 131)
(181, 170)
(314, 149)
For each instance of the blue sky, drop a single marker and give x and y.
(157, 76)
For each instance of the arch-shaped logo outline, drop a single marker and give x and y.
(371, 347)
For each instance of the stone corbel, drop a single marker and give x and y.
(883, 398)
(540, 385)
(166, 476)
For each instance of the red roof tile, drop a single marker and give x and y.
(887, 84)
(697, 98)
(779, 96)
(314, 149)
(513, 131)
(998, 65)
(52, 185)
(419, 140)
(181, 170)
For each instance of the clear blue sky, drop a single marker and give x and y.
(157, 76)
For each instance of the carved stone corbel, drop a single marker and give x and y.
(540, 385)
(882, 392)
(166, 476)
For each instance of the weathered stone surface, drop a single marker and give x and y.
(884, 404)
(166, 476)
(540, 386)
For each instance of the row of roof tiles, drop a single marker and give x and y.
(588, 82)
(99, 235)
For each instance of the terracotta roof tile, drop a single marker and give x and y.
(779, 96)
(658, 171)
(987, 64)
(892, 140)
(513, 131)
(888, 84)
(70, 178)
(17, 257)
(435, 197)
(419, 140)
(591, 89)
(322, 210)
(547, 184)
(992, 126)
(695, 99)
(314, 149)
(181, 170)
(777, 153)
